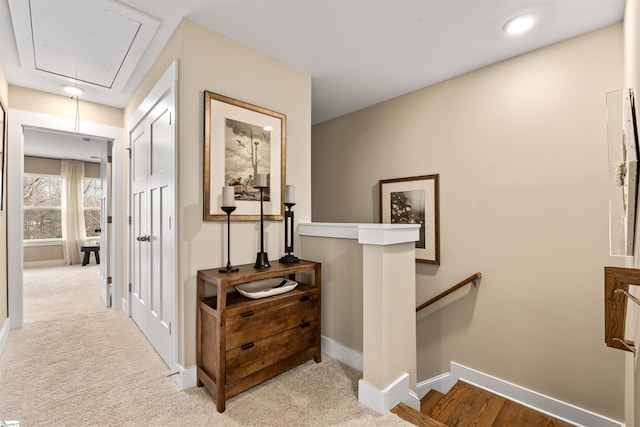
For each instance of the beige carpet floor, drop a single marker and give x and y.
(77, 363)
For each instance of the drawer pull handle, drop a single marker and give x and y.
(305, 325)
(247, 314)
(305, 298)
(247, 346)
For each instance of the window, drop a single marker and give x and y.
(92, 195)
(42, 196)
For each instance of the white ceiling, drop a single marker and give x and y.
(358, 52)
(63, 145)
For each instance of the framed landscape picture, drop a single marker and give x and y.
(414, 200)
(242, 140)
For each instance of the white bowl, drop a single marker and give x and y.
(266, 288)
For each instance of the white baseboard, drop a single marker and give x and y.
(342, 353)
(125, 307)
(4, 334)
(545, 404)
(382, 401)
(412, 400)
(367, 393)
(186, 378)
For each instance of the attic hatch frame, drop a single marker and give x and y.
(131, 50)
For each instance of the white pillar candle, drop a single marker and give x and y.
(261, 180)
(228, 196)
(290, 194)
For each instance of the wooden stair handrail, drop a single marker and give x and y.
(452, 289)
(617, 281)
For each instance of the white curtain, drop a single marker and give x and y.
(73, 229)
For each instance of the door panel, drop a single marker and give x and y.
(159, 184)
(139, 282)
(152, 230)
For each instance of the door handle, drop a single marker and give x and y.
(143, 238)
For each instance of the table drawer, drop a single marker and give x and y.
(254, 325)
(252, 356)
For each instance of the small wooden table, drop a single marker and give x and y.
(241, 342)
(87, 252)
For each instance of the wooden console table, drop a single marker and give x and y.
(241, 342)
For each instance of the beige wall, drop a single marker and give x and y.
(341, 287)
(521, 150)
(4, 96)
(63, 106)
(42, 165)
(208, 61)
(44, 253)
(46, 166)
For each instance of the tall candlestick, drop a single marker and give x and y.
(229, 268)
(228, 196)
(290, 194)
(261, 180)
(262, 259)
(288, 234)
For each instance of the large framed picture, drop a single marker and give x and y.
(414, 200)
(242, 140)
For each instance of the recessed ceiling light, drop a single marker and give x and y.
(519, 24)
(72, 90)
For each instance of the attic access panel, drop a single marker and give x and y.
(80, 40)
(99, 42)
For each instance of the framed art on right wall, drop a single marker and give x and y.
(624, 151)
(414, 200)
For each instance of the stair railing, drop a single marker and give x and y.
(470, 279)
(617, 281)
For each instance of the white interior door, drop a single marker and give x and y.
(105, 228)
(139, 296)
(160, 201)
(153, 257)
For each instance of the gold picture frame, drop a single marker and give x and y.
(242, 140)
(414, 200)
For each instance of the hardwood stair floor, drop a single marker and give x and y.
(467, 405)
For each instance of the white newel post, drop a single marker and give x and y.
(388, 304)
(389, 316)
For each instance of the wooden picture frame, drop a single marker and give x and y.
(240, 141)
(414, 200)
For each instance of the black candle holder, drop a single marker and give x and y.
(262, 259)
(228, 268)
(288, 236)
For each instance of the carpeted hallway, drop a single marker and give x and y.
(77, 363)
